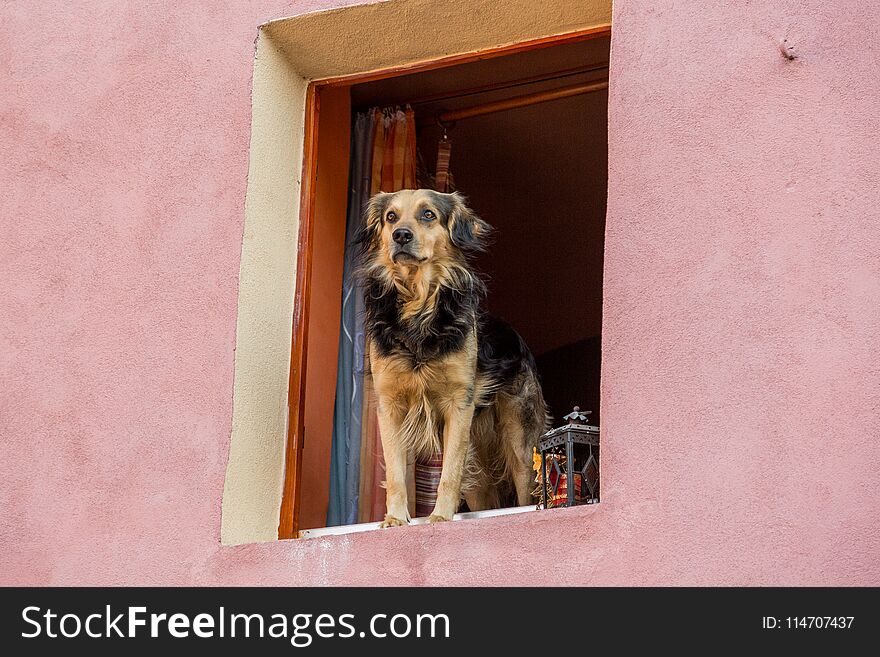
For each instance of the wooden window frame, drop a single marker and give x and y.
(288, 525)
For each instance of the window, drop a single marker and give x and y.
(529, 149)
(298, 62)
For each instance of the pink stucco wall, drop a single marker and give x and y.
(740, 378)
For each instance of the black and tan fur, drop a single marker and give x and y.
(445, 373)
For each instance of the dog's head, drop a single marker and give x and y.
(414, 227)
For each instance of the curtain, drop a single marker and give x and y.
(345, 453)
(383, 158)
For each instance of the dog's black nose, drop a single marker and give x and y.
(402, 236)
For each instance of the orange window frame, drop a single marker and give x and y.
(289, 518)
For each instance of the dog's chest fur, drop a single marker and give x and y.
(424, 364)
(440, 328)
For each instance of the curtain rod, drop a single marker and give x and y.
(522, 101)
(509, 84)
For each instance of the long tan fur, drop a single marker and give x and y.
(429, 402)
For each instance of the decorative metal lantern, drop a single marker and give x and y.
(570, 463)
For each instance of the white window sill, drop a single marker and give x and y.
(370, 526)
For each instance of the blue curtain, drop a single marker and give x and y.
(345, 452)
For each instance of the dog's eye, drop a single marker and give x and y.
(391, 217)
(427, 215)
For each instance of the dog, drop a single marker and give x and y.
(445, 373)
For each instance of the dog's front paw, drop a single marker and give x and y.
(437, 518)
(391, 521)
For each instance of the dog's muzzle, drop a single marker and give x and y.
(402, 254)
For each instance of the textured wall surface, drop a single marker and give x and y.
(252, 487)
(740, 376)
(742, 275)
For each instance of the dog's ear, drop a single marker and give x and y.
(466, 230)
(367, 236)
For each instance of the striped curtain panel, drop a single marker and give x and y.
(383, 158)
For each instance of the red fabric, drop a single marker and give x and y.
(428, 471)
(554, 477)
